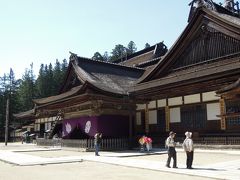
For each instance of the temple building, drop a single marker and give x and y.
(193, 86)
(179, 93)
(94, 98)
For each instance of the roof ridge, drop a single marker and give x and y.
(112, 63)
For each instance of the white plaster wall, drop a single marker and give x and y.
(194, 98)
(210, 96)
(162, 102)
(152, 115)
(152, 104)
(141, 106)
(138, 118)
(175, 101)
(213, 109)
(175, 115)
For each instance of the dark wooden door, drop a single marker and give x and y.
(194, 117)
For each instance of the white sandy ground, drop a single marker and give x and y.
(217, 164)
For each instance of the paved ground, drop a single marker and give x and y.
(27, 163)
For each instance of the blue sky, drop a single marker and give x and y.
(41, 31)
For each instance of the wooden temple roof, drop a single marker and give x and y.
(195, 74)
(144, 58)
(108, 76)
(231, 87)
(67, 94)
(209, 22)
(98, 75)
(26, 114)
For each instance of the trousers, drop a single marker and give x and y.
(172, 154)
(189, 159)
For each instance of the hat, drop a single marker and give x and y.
(188, 134)
(171, 133)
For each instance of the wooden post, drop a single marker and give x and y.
(130, 126)
(167, 113)
(6, 124)
(146, 119)
(222, 111)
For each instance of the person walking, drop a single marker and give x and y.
(171, 144)
(188, 148)
(97, 142)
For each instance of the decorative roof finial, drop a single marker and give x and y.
(232, 6)
(195, 4)
(73, 56)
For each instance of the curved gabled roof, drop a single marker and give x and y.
(64, 95)
(230, 23)
(101, 76)
(105, 76)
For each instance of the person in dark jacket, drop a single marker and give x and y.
(171, 144)
(97, 142)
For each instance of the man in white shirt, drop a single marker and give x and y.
(170, 143)
(188, 148)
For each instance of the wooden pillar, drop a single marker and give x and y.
(6, 124)
(130, 126)
(167, 113)
(222, 111)
(146, 119)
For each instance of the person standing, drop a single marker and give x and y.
(188, 148)
(148, 142)
(142, 143)
(171, 144)
(97, 142)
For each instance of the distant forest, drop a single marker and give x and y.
(48, 82)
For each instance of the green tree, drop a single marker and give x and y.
(131, 48)
(97, 56)
(105, 56)
(118, 52)
(147, 46)
(50, 81)
(57, 76)
(27, 89)
(64, 66)
(9, 87)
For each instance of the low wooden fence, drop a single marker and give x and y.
(88, 144)
(218, 140)
(213, 140)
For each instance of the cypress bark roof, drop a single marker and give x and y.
(25, 114)
(101, 76)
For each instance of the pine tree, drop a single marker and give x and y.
(147, 46)
(27, 90)
(118, 52)
(97, 56)
(131, 48)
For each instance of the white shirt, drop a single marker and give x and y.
(170, 142)
(188, 144)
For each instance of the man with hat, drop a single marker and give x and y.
(188, 148)
(171, 144)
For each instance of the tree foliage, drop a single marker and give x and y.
(22, 91)
(147, 45)
(118, 52)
